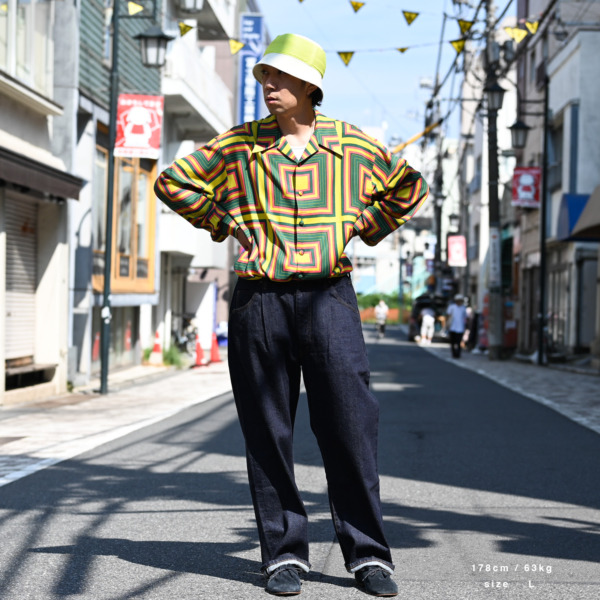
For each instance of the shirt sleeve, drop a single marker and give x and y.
(194, 187)
(398, 192)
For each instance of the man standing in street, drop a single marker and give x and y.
(294, 188)
(457, 314)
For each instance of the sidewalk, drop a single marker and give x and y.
(36, 435)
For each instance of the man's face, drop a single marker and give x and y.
(285, 94)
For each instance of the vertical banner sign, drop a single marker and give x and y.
(250, 95)
(457, 251)
(495, 264)
(139, 122)
(526, 186)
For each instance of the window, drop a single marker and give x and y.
(133, 224)
(26, 46)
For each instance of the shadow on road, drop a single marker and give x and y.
(439, 424)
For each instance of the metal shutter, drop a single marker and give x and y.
(21, 277)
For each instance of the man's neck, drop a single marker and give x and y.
(298, 128)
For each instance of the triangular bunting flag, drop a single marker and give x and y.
(183, 28)
(357, 5)
(235, 46)
(516, 33)
(458, 45)
(465, 26)
(532, 26)
(134, 8)
(410, 16)
(403, 50)
(346, 57)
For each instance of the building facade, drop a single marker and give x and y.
(36, 188)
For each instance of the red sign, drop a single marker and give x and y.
(526, 187)
(457, 250)
(139, 121)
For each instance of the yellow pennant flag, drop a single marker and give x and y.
(458, 45)
(357, 5)
(235, 46)
(516, 34)
(532, 26)
(183, 28)
(465, 26)
(410, 16)
(134, 8)
(346, 57)
(403, 50)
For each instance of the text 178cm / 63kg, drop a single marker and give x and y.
(526, 568)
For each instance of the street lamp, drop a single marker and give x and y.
(153, 46)
(190, 6)
(454, 221)
(518, 134)
(495, 95)
(152, 40)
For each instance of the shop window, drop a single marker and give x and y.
(133, 224)
(26, 46)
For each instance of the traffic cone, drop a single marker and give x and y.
(156, 357)
(200, 358)
(214, 350)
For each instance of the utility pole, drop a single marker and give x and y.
(494, 278)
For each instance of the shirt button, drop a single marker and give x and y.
(301, 253)
(299, 193)
(300, 275)
(301, 223)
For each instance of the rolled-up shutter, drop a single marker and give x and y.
(21, 278)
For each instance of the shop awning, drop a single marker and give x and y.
(31, 174)
(571, 208)
(588, 224)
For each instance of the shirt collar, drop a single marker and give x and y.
(325, 135)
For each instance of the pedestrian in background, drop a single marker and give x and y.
(427, 324)
(381, 315)
(457, 316)
(294, 188)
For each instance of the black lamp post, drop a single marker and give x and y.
(495, 97)
(154, 41)
(519, 131)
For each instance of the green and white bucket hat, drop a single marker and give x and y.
(296, 55)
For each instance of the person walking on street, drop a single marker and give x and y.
(427, 325)
(294, 188)
(381, 314)
(457, 315)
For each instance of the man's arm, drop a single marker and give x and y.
(193, 186)
(398, 193)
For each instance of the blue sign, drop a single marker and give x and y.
(250, 94)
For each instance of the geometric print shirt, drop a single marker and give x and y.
(297, 214)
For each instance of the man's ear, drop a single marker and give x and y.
(310, 89)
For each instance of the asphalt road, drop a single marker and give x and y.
(486, 494)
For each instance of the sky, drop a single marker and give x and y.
(381, 87)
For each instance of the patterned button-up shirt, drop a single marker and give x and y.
(297, 214)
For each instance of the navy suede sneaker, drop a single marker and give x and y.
(376, 581)
(284, 581)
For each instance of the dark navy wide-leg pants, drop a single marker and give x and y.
(277, 331)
